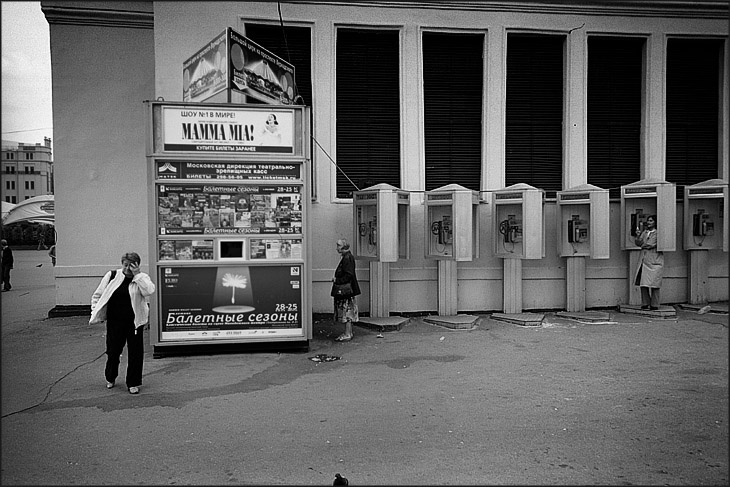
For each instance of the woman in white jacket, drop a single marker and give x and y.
(121, 299)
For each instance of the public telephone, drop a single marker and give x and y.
(702, 224)
(638, 222)
(443, 229)
(511, 229)
(577, 230)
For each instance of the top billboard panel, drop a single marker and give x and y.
(233, 62)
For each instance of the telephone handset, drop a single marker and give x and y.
(577, 230)
(511, 229)
(442, 228)
(702, 224)
(369, 229)
(638, 222)
(373, 233)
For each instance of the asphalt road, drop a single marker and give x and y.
(633, 401)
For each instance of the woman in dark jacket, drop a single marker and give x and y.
(345, 305)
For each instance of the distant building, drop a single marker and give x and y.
(27, 170)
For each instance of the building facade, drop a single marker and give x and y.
(27, 170)
(417, 95)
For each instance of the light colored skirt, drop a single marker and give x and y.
(346, 310)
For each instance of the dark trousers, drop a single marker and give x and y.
(650, 296)
(6, 278)
(117, 334)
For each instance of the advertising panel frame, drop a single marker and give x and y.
(258, 258)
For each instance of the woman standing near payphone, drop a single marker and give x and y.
(651, 265)
(344, 289)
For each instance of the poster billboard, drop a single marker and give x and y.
(256, 72)
(219, 209)
(231, 61)
(234, 129)
(205, 72)
(231, 301)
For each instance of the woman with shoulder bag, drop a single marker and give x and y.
(121, 301)
(344, 290)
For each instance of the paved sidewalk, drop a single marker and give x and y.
(628, 401)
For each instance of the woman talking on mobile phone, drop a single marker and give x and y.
(121, 299)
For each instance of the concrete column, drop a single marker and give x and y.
(379, 289)
(634, 291)
(653, 128)
(576, 279)
(512, 286)
(448, 300)
(576, 162)
(697, 279)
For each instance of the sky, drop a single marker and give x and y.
(26, 73)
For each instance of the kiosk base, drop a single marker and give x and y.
(218, 348)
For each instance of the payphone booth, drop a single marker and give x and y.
(583, 221)
(638, 201)
(451, 235)
(705, 216)
(583, 224)
(229, 238)
(452, 223)
(518, 233)
(705, 228)
(382, 218)
(644, 198)
(517, 215)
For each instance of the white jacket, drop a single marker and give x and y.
(140, 289)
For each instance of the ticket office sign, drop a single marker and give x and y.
(227, 170)
(216, 209)
(230, 302)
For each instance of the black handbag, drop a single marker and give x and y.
(343, 290)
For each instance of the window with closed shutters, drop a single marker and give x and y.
(693, 111)
(534, 111)
(368, 109)
(615, 86)
(453, 66)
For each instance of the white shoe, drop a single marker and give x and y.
(134, 390)
(109, 385)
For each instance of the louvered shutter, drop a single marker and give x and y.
(368, 109)
(693, 104)
(452, 94)
(615, 78)
(534, 111)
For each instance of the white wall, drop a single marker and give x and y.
(101, 76)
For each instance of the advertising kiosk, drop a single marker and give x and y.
(705, 229)
(228, 211)
(518, 233)
(381, 216)
(583, 223)
(451, 235)
(638, 201)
